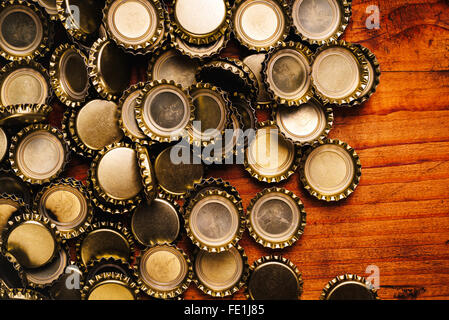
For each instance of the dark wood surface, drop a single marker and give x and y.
(398, 218)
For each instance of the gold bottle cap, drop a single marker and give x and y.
(11, 273)
(306, 123)
(110, 286)
(4, 142)
(50, 8)
(24, 82)
(373, 74)
(214, 220)
(24, 30)
(69, 75)
(24, 114)
(274, 278)
(13, 185)
(38, 153)
(320, 22)
(349, 287)
(175, 179)
(164, 110)
(92, 127)
(245, 108)
(330, 170)
(276, 218)
(104, 239)
(269, 156)
(127, 117)
(10, 205)
(96, 267)
(115, 176)
(31, 239)
(286, 71)
(164, 271)
(83, 23)
(339, 73)
(165, 223)
(255, 63)
(134, 24)
(146, 172)
(66, 203)
(221, 274)
(200, 51)
(58, 289)
(172, 65)
(211, 110)
(249, 16)
(201, 21)
(21, 294)
(109, 69)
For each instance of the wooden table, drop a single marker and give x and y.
(398, 218)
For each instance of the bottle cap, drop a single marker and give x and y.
(305, 124)
(66, 204)
(69, 75)
(165, 223)
(348, 287)
(4, 144)
(248, 16)
(276, 218)
(201, 21)
(127, 117)
(164, 271)
(50, 8)
(83, 23)
(20, 294)
(330, 170)
(269, 156)
(244, 107)
(146, 172)
(104, 239)
(96, 267)
(38, 165)
(221, 274)
(274, 278)
(11, 273)
(214, 220)
(373, 74)
(320, 22)
(24, 29)
(115, 178)
(339, 73)
(13, 185)
(147, 25)
(255, 63)
(10, 205)
(211, 110)
(109, 69)
(172, 65)
(175, 179)
(92, 127)
(59, 289)
(200, 51)
(24, 82)
(31, 239)
(110, 286)
(164, 110)
(24, 114)
(286, 72)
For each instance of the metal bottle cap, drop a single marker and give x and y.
(249, 16)
(31, 239)
(164, 227)
(135, 24)
(104, 240)
(201, 21)
(4, 142)
(274, 278)
(164, 110)
(339, 73)
(109, 69)
(24, 82)
(66, 203)
(255, 63)
(24, 30)
(306, 123)
(200, 51)
(21, 294)
(287, 74)
(38, 153)
(110, 286)
(176, 179)
(13, 185)
(59, 290)
(50, 8)
(276, 218)
(172, 65)
(164, 271)
(146, 172)
(10, 205)
(373, 74)
(330, 170)
(269, 156)
(320, 22)
(69, 75)
(92, 127)
(348, 287)
(24, 114)
(245, 109)
(11, 273)
(214, 220)
(221, 274)
(96, 267)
